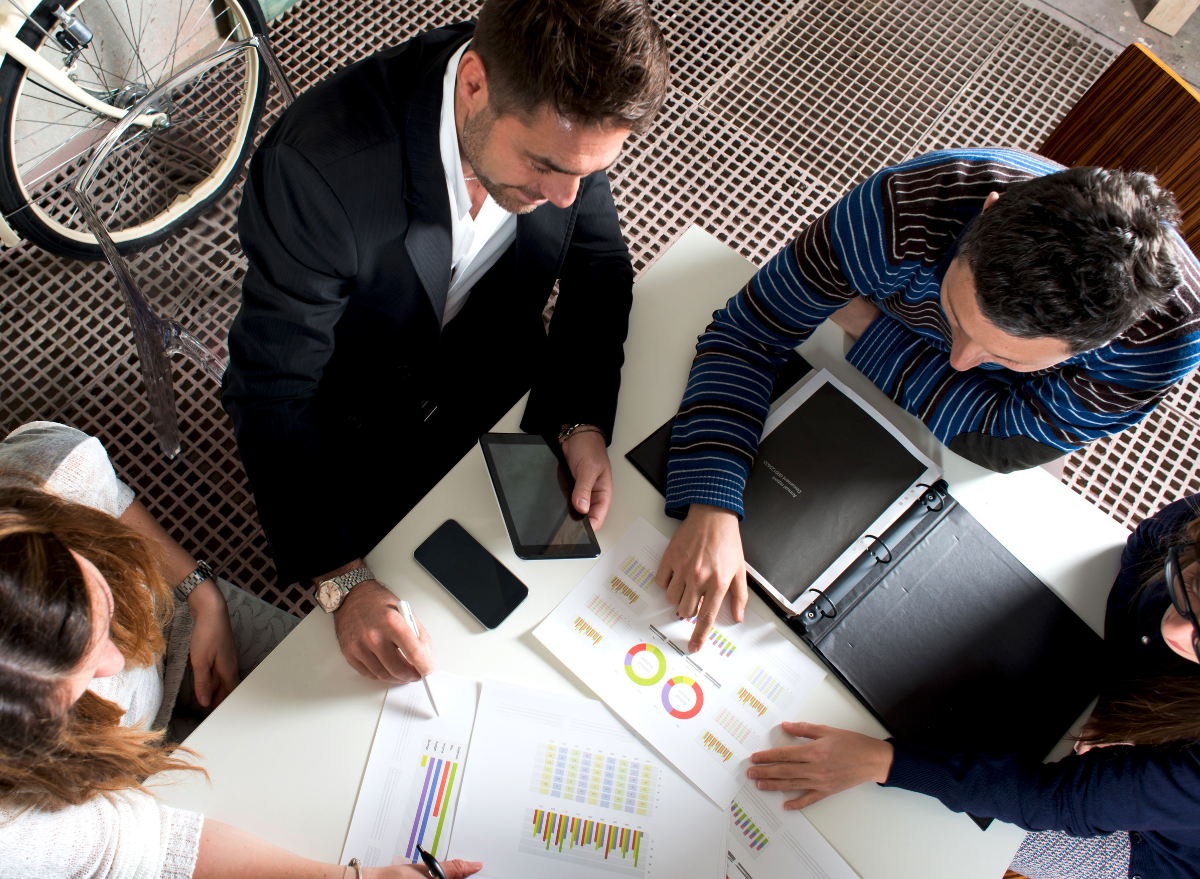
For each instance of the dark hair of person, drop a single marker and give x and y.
(596, 62)
(1080, 255)
(51, 752)
(1157, 705)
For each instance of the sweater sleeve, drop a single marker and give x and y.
(125, 835)
(1104, 790)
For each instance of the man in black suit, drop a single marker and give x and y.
(405, 223)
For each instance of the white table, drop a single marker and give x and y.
(287, 750)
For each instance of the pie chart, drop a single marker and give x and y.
(682, 697)
(645, 664)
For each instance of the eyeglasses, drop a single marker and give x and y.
(1179, 596)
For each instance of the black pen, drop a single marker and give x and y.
(435, 869)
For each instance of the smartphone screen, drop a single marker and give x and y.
(471, 574)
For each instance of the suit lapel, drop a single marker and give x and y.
(429, 242)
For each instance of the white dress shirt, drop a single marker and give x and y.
(477, 243)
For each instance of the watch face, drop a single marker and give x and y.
(329, 595)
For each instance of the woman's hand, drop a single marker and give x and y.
(456, 869)
(835, 759)
(213, 651)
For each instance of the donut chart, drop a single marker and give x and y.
(645, 664)
(689, 698)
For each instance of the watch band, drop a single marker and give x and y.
(195, 578)
(331, 600)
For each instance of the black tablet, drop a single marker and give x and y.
(534, 493)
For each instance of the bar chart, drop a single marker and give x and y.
(716, 747)
(585, 776)
(739, 818)
(601, 846)
(638, 572)
(774, 691)
(729, 722)
(628, 594)
(425, 814)
(584, 629)
(604, 611)
(747, 698)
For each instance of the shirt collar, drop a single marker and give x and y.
(448, 140)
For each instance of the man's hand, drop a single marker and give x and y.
(376, 640)
(587, 457)
(855, 316)
(835, 759)
(702, 562)
(213, 651)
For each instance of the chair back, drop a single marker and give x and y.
(1138, 116)
(123, 151)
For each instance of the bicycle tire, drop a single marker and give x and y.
(37, 160)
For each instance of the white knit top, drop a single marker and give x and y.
(126, 835)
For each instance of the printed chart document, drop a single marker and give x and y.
(767, 842)
(414, 773)
(707, 712)
(558, 788)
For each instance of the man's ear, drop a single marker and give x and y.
(992, 198)
(472, 82)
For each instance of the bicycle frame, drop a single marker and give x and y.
(11, 21)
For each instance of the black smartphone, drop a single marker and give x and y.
(471, 574)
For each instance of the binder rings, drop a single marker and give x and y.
(942, 634)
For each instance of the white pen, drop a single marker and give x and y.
(406, 610)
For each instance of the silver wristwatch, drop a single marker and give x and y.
(332, 592)
(195, 578)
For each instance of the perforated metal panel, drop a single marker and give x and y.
(779, 106)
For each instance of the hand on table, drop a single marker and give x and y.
(455, 869)
(376, 640)
(587, 456)
(835, 759)
(702, 562)
(855, 316)
(213, 651)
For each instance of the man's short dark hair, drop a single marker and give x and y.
(594, 62)
(1080, 255)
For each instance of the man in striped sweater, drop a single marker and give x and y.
(1019, 309)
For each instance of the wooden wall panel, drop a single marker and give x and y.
(1139, 116)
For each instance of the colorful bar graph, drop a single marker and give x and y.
(721, 642)
(605, 612)
(718, 639)
(769, 687)
(584, 776)
(637, 572)
(732, 725)
(592, 841)
(623, 590)
(582, 627)
(747, 698)
(715, 745)
(429, 815)
(755, 838)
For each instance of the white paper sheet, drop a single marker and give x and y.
(557, 788)
(707, 712)
(767, 842)
(414, 773)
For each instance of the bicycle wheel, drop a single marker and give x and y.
(163, 176)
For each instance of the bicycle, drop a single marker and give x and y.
(70, 74)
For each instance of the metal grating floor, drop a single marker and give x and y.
(778, 107)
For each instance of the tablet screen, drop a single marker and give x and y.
(534, 493)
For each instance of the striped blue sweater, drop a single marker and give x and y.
(891, 239)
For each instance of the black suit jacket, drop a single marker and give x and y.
(345, 220)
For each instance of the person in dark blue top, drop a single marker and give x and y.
(1127, 802)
